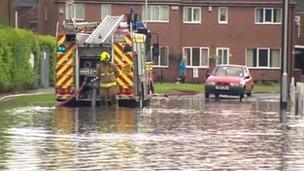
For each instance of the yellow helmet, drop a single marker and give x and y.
(104, 56)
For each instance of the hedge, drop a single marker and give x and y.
(16, 45)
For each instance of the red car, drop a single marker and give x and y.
(229, 80)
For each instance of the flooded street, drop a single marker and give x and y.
(173, 133)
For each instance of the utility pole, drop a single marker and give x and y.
(284, 76)
(146, 13)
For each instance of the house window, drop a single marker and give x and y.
(33, 25)
(105, 10)
(192, 14)
(162, 60)
(263, 58)
(156, 13)
(223, 56)
(223, 15)
(75, 11)
(268, 16)
(196, 56)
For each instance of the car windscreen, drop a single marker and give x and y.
(229, 71)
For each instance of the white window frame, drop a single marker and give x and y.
(159, 18)
(200, 58)
(257, 59)
(192, 15)
(228, 54)
(74, 11)
(101, 9)
(159, 58)
(264, 16)
(219, 15)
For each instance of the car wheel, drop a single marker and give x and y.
(250, 92)
(206, 94)
(241, 96)
(216, 95)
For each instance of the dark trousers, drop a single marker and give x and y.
(182, 78)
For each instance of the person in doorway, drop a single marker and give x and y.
(107, 73)
(182, 70)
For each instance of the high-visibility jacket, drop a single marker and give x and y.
(107, 72)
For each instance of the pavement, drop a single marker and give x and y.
(10, 95)
(255, 96)
(265, 96)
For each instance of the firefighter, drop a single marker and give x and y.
(107, 73)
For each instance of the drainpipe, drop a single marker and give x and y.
(146, 13)
(16, 19)
(9, 13)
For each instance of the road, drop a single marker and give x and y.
(173, 133)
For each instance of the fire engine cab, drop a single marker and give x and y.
(79, 47)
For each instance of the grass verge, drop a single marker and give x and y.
(266, 88)
(168, 88)
(40, 99)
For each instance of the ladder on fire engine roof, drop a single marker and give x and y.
(105, 29)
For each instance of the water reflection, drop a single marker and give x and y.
(87, 120)
(175, 133)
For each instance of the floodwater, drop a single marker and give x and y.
(173, 133)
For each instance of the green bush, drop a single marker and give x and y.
(16, 45)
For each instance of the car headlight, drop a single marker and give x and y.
(210, 83)
(242, 83)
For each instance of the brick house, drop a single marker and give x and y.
(299, 34)
(5, 11)
(208, 32)
(27, 13)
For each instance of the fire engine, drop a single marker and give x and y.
(79, 47)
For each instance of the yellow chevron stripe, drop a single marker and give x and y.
(68, 54)
(130, 82)
(59, 83)
(119, 51)
(62, 40)
(69, 83)
(121, 83)
(116, 58)
(65, 67)
(129, 41)
(125, 58)
(122, 64)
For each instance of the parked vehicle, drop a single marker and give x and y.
(229, 80)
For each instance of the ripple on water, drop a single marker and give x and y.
(30, 110)
(201, 136)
